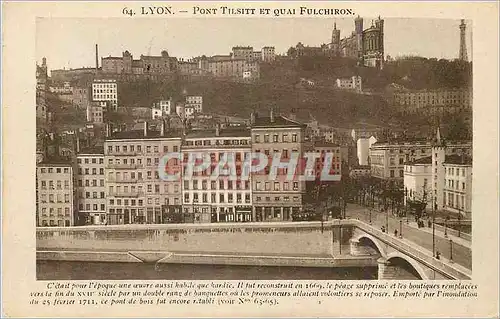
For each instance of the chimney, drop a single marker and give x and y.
(217, 129)
(162, 133)
(146, 127)
(96, 58)
(272, 115)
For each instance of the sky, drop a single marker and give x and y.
(70, 42)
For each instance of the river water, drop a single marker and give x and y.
(70, 270)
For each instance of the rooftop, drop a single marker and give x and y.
(91, 151)
(279, 121)
(423, 160)
(325, 144)
(55, 162)
(227, 132)
(139, 134)
(458, 160)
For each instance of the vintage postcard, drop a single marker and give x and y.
(250, 159)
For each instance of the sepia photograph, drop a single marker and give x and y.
(298, 148)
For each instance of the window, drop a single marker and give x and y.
(267, 187)
(276, 186)
(257, 138)
(294, 137)
(221, 198)
(266, 138)
(275, 138)
(295, 186)
(285, 137)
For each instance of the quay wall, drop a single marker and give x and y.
(308, 239)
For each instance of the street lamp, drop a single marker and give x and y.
(433, 227)
(459, 219)
(451, 250)
(340, 237)
(400, 229)
(370, 215)
(446, 227)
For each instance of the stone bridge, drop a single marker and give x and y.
(401, 259)
(337, 243)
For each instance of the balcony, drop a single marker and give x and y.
(124, 166)
(128, 153)
(126, 194)
(123, 180)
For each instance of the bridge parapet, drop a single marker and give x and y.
(389, 244)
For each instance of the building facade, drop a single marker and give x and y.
(196, 102)
(95, 111)
(105, 91)
(163, 64)
(457, 192)
(90, 189)
(365, 45)
(432, 101)
(225, 199)
(277, 199)
(387, 158)
(81, 97)
(352, 83)
(417, 180)
(55, 188)
(135, 191)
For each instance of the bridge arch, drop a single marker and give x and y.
(374, 241)
(412, 262)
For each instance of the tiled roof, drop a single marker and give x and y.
(423, 160)
(227, 132)
(279, 121)
(91, 150)
(458, 160)
(139, 134)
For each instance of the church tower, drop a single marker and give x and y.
(462, 54)
(438, 158)
(358, 31)
(335, 46)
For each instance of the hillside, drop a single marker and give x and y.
(238, 99)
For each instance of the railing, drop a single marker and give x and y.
(425, 257)
(126, 194)
(129, 153)
(127, 180)
(124, 166)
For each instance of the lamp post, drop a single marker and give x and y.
(459, 220)
(400, 229)
(446, 227)
(340, 237)
(433, 227)
(370, 215)
(451, 250)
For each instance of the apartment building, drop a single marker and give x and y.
(279, 198)
(55, 190)
(227, 198)
(134, 191)
(387, 158)
(90, 187)
(195, 102)
(457, 192)
(104, 90)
